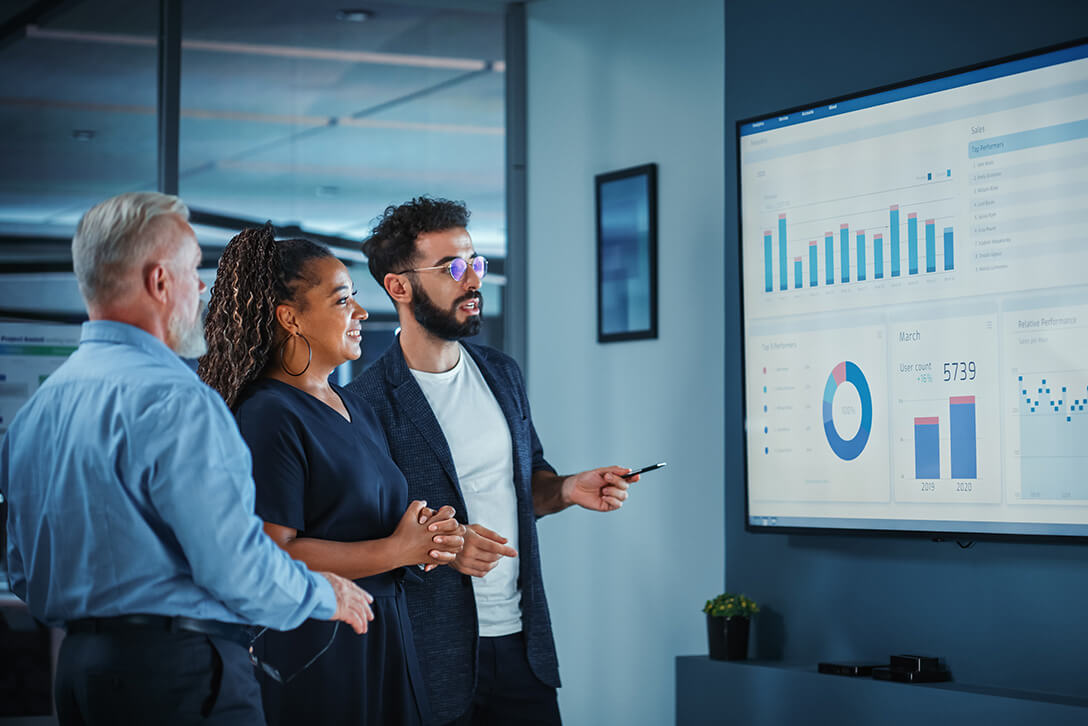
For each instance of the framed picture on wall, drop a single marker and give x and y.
(627, 254)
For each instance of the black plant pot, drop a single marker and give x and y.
(727, 637)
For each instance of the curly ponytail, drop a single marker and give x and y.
(255, 274)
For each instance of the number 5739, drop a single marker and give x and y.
(959, 371)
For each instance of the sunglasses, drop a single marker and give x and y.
(458, 266)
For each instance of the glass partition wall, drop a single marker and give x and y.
(77, 125)
(308, 115)
(319, 118)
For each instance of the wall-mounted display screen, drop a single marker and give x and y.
(915, 287)
(29, 353)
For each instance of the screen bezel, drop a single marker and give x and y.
(935, 533)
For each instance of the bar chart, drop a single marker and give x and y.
(860, 255)
(946, 394)
(963, 445)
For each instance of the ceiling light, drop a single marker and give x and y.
(82, 134)
(354, 15)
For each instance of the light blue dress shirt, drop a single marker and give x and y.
(129, 491)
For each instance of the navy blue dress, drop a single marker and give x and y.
(333, 479)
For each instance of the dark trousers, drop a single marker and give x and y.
(507, 691)
(158, 678)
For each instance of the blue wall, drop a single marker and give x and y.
(1010, 614)
(612, 84)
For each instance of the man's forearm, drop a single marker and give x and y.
(549, 493)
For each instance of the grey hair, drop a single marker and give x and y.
(112, 238)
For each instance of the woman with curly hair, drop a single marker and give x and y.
(282, 317)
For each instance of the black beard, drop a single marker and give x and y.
(443, 324)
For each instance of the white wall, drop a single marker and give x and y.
(613, 84)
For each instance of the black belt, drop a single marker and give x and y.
(238, 633)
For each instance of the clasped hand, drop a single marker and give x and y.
(427, 537)
(482, 552)
(482, 548)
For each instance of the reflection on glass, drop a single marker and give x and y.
(78, 113)
(306, 120)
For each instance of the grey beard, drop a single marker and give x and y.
(189, 341)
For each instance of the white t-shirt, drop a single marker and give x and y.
(483, 457)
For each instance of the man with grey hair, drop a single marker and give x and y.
(131, 504)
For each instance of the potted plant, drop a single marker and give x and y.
(727, 619)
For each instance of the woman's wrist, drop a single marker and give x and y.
(388, 551)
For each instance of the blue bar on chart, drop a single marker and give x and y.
(893, 231)
(912, 243)
(961, 425)
(927, 447)
(878, 256)
(797, 281)
(860, 236)
(783, 283)
(829, 257)
(844, 249)
(768, 268)
(948, 255)
(931, 246)
(812, 274)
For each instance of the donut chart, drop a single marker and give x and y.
(848, 372)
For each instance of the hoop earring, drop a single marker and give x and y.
(283, 360)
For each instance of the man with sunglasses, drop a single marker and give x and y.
(457, 419)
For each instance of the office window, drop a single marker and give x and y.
(299, 115)
(77, 125)
(290, 112)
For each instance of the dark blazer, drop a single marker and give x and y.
(442, 607)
